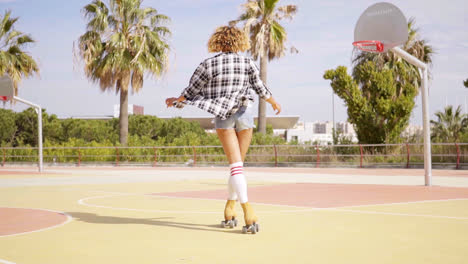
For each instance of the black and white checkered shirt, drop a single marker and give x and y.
(223, 83)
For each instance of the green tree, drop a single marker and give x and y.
(267, 38)
(176, 127)
(88, 130)
(414, 45)
(14, 61)
(26, 122)
(52, 130)
(450, 125)
(381, 106)
(123, 42)
(145, 126)
(8, 127)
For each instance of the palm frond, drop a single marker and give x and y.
(14, 60)
(260, 18)
(269, 6)
(287, 12)
(123, 41)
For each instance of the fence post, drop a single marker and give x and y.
(458, 156)
(155, 157)
(194, 156)
(116, 156)
(79, 157)
(276, 156)
(4, 157)
(360, 147)
(407, 155)
(317, 164)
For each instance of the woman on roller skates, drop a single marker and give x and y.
(224, 85)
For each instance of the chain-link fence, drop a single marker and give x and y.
(447, 155)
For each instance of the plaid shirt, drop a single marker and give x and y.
(224, 83)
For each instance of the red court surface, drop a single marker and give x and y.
(319, 195)
(22, 220)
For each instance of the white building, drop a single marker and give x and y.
(413, 130)
(132, 110)
(319, 132)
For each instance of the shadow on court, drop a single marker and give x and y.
(159, 221)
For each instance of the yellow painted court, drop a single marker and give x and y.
(126, 215)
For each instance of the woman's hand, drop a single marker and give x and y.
(274, 104)
(170, 101)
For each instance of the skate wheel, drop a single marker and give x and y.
(244, 230)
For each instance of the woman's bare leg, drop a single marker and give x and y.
(230, 144)
(231, 148)
(244, 137)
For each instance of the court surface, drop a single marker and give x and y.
(172, 215)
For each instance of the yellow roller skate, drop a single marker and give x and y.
(229, 215)
(250, 219)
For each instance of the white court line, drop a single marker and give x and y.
(6, 261)
(69, 219)
(413, 202)
(398, 214)
(304, 208)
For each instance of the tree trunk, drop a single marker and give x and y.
(261, 102)
(123, 118)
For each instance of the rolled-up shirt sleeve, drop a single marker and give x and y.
(197, 82)
(257, 83)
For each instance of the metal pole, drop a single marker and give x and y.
(425, 105)
(39, 124)
(333, 106)
(427, 132)
(39, 119)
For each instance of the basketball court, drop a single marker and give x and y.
(173, 215)
(127, 215)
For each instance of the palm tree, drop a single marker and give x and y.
(267, 36)
(123, 42)
(14, 61)
(414, 46)
(450, 125)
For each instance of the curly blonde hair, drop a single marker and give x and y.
(228, 39)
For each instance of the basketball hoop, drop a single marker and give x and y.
(383, 27)
(369, 45)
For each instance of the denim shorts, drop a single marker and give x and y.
(241, 120)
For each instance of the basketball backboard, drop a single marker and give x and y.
(381, 27)
(6, 88)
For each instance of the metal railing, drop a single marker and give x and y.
(408, 155)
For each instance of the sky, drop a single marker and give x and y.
(322, 31)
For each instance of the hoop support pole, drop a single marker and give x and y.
(39, 125)
(425, 107)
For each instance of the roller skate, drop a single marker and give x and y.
(229, 215)
(250, 220)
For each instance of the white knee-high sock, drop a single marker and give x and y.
(232, 190)
(238, 181)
